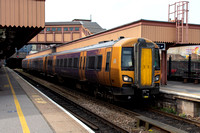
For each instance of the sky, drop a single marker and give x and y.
(113, 13)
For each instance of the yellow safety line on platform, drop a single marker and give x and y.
(22, 119)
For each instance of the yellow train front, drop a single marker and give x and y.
(121, 69)
(135, 68)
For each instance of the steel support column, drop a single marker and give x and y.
(164, 67)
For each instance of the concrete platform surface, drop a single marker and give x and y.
(183, 89)
(24, 109)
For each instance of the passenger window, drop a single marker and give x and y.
(65, 62)
(91, 62)
(70, 62)
(107, 61)
(61, 62)
(50, 62)
(75, 62)
(99, 62)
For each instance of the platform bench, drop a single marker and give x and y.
(196, 80)
(186, 79)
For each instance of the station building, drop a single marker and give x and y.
(62, 32)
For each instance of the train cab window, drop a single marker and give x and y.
(127, 61)
(61, 62)
(75, 63)
(70, 62)
(107, 61)
(99, 62)
(157, 59)
(65, 62)
(91, 62)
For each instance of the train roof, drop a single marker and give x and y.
(36, 57)
(103, 44)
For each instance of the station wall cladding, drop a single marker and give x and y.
(27, 13)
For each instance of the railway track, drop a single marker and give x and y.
(193, 122)
(141, 120)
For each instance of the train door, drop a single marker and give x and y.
(44, 64)
(82, 65)
(54, 65)
(100, 65)
(144, 60)
(146, 67)
(107, 66)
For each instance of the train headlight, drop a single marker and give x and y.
(127, 78)
(157, 78)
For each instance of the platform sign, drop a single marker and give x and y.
(162, 46)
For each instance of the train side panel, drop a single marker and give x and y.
(115, 72)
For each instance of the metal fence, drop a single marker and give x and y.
(181, 68)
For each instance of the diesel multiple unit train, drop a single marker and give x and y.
(120, 69)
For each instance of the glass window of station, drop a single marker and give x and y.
(58, 29)
(71, 28)
(48, 29)
(76, 28)
(65, 28)
(53, 29)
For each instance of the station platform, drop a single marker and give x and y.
(25, 109)
(182, 89)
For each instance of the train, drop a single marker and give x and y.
(117, 69)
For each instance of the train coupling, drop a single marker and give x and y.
(145, 93)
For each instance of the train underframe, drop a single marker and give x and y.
(113, 94)
(125, 93)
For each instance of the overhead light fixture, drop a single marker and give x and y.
(4, 35)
